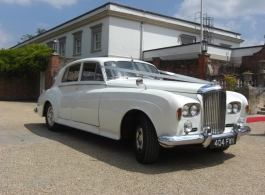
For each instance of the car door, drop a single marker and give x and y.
(85, 104)
(67, 90)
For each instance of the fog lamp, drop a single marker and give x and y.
(187, 126)
(241, 121)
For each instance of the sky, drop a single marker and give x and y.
(20, 17)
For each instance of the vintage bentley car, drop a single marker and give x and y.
(125, 98)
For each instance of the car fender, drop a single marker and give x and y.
(236, 97)
(43, 99)
(160, 106)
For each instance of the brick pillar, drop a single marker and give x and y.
(156, 62)
(52, 67)
(202, 63)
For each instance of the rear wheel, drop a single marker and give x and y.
(49, 118)
(146, 145)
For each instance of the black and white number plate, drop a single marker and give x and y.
(224, 142)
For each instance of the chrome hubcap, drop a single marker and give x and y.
(50, 118)
(139, 138)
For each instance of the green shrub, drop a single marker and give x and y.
(230, 82)
(24, 61)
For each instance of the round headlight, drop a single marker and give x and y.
(187, 126)
(229, 108)
(235, 108)
(193, 110)
(185, 110)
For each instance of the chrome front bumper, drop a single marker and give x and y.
(204, 139)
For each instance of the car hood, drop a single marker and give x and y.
(171, 86)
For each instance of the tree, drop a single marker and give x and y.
(40, 31)
(27, 36)
(24, 61)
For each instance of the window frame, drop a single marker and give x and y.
(96, 30)
(95, 72)
(77, 36)
(187, 39)
(66, 72)
(62, 41)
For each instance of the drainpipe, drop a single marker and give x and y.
(141, 41)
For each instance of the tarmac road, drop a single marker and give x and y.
(34, 160)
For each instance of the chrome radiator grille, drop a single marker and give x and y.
(214, 110)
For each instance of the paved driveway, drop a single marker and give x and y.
(34, 160)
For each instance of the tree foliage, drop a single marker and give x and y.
(230, 82)
(28, 36)
(24, 61)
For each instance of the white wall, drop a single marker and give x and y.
(124, 38)
(157, 37)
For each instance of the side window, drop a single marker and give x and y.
(71, 73)
(91, 72)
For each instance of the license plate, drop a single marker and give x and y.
(219, 143)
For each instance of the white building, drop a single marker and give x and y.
(120, 31)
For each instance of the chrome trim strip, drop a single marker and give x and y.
(171, 141)
(207, 88)
(204, 139)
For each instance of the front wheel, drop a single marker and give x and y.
(49, 118)
(146, 145)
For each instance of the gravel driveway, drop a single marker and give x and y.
(34, 160)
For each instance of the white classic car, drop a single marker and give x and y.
(124, 98)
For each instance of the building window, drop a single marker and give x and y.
(62, 46)
(225, 45)
(187, 39)
(96, 36)
(78, 43)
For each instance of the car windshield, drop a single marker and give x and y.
(130, 65)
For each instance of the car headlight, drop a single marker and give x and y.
(185, 110)
(194, 110)
(229, 108)
(233, 107)
(190, 110)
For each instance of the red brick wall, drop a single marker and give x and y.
(20, 88)
(184, 67)
(53, 68)
(202, 66)
(251, 62)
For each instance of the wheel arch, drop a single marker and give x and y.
(52, 101)
(128, 123)
(46, 103)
